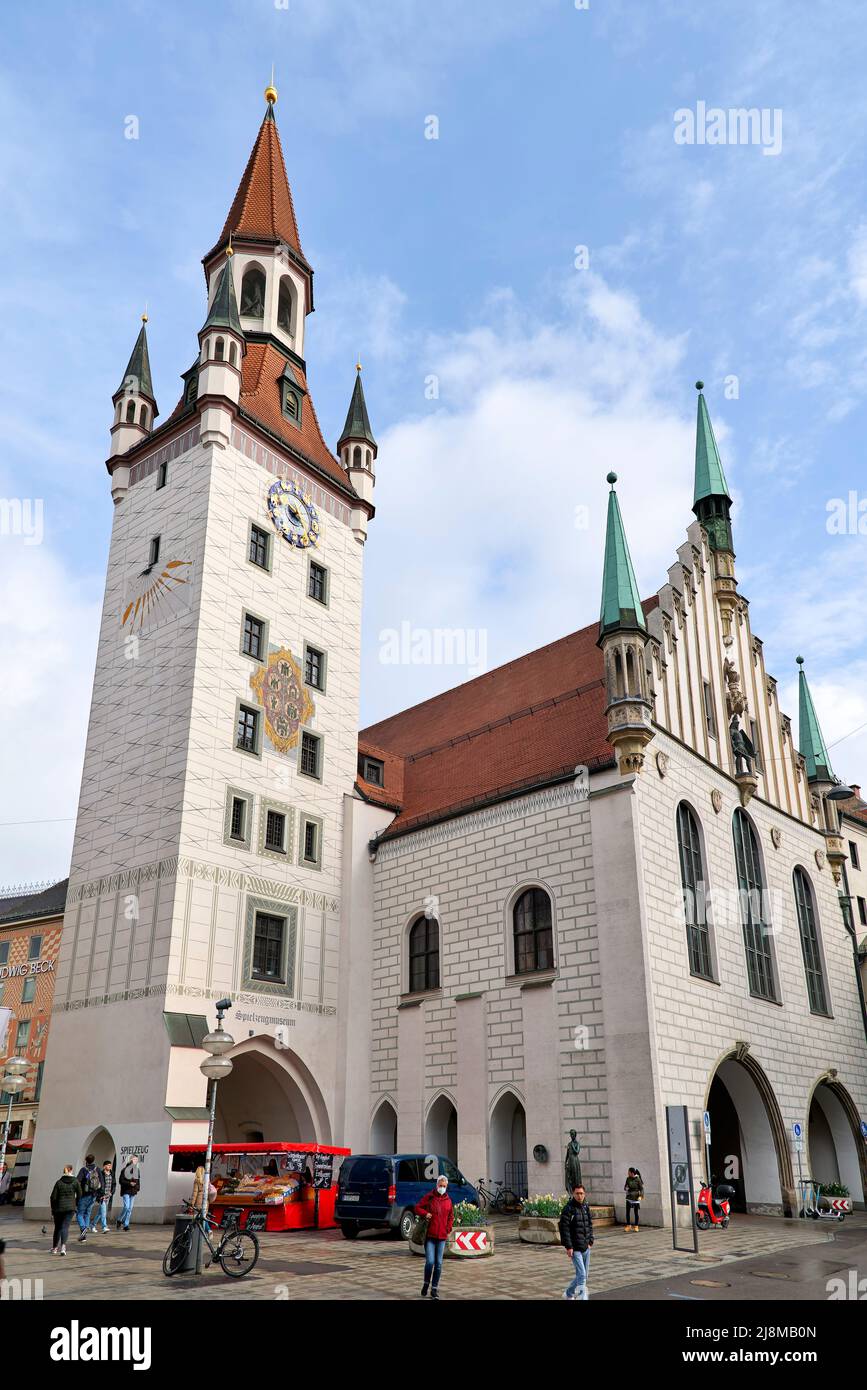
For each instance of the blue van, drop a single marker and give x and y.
(380, 1190)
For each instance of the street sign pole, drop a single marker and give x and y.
(707, 1145)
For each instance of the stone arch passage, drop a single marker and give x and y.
(441, 1129)
(836, 1150)
(383, 1130)
(270, 1091)
(507, 1142)
(749, 1148)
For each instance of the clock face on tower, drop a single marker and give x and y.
(293, 514)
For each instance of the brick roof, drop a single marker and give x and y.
(261, 397)
(262, 206)
(525, 724)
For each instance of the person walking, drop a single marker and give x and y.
(438, 1210)
(90, 1183)
(5, 1183)
(65, 1197)
(634, 1189)
(103, 1201)
(130, 1182)
(576, 1235)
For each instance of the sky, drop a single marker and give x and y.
(533, 294)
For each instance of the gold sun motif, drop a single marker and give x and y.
(160, 583)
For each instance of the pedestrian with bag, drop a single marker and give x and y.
(199, 1188)
(634, 1189)
(103, 1201)
(576, 1235)
(90, 1183)
(130, 1182)
(65, 1197)
(437, 1209)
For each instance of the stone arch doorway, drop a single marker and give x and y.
(441, 1129)
(507, 1144)
(835, 1147)
(749, 1147)
(383, 1130)
(271, 1092)
(101, 1145)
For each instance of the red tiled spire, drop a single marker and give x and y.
(263, 206)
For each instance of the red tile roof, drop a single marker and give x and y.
(261, 397)
(262, 206)
(525, 724)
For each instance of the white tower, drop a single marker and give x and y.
(215, 821)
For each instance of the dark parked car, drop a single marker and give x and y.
(382, 1189)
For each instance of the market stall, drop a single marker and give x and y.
(269, 1186)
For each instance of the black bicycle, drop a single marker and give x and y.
(236, 1252)
(503, 1199)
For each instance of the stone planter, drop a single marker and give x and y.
(465, 1243)
(539, 1230)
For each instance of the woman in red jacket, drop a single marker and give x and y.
(438, 1210)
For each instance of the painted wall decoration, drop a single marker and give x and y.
(157, 593)
(284, 698)
(293, 514)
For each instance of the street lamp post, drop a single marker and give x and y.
(13, 1082)
(215, 1067)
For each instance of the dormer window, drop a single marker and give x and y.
(373, 771)
(192, 389)
(292, 403)
(253, 293)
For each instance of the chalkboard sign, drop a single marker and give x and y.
(256, 1220)
(323, 1170)
(228, 1214)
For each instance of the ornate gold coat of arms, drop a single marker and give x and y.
(284, 698)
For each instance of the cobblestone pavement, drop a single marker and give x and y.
(322, 1265)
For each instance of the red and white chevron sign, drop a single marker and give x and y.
(472, 1241)
(840, 1204)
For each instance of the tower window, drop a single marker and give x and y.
(259, 551)
(373, 771)
(220, 349)
(254, 637)
(284, 305)
(533, 935)
(314, 667)
(253, 293)
(238, 818)
(162, 474)
(311, 842)
(275, 831)
(709, 714)
(130, 412)
(757, 744)
(356, 456)
(317, 582)
(154, 551)
(247, 730)
(237, 821)
(269, 953)
(143, 417)
(233, 355)
(424, 955)
(310, 762)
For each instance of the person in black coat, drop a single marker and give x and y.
(65, 1197)
(576, 1236)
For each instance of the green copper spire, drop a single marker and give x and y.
(621, 601)
(138, 368)
(810, 740)
(712, 502)
(357, 421)
(224, 309)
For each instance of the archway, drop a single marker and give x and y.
(441, 1129)
(270, 1092)
(101, 1145)
(836, 1150)
(749, 1149)
(383, 1130)
(507, 1146)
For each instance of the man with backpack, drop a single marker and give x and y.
(103, 1201)
(90, 1182)
(130, 1182)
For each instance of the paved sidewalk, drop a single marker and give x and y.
(322, 1265)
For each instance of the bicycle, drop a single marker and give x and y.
(503, 1199)
(236, 1253)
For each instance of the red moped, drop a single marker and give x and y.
(713, 1208)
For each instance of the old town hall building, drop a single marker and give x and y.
(605, 878)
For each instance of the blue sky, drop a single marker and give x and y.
(452, 256)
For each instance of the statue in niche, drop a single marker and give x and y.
(573, 1162)
(742, 747)
(253, 294)
(735, 702)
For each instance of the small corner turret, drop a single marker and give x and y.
(221, 351)
(135, 410)
(357, 450)
(825, 788)
(623, 637)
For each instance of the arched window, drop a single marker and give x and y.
(534, 939)
(424, 955)
(233, 354)
(751, 896)
(130, 412)
(808, 929)
(253, 293)
(219, 349)
(143, 417)
(356, 456)
(284, 305)
(692, 878)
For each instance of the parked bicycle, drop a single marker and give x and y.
(501, 1199)
(236, 1252)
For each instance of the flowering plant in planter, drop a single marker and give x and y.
(547, 1205)
(835, 1189)
(468, 1214)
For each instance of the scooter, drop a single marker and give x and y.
(835, 1209)
(713, 1208)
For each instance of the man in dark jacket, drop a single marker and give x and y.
(90, 1184)
(103, 1201)
(130, 1182)
(576, 1235)
(65, 1197)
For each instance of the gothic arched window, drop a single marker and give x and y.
(284, 305)
(809, 933)
(253, 293)
(356, 456)
(143, 417)
(693, 882)
(130, 412)
(220, 349)
(424, 955)
(752, 901)
(233, 354)
(533, 934)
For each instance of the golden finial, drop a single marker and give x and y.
(144, 317)
(358, 365)
(271, 90)
(229, 249)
